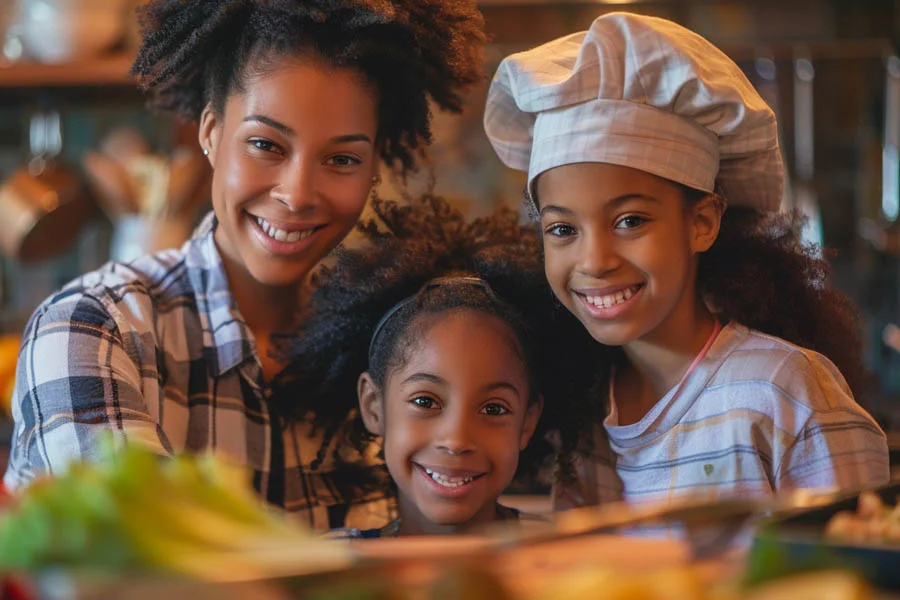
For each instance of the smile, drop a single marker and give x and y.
(447, 481)
(610, 300)
(280, 235)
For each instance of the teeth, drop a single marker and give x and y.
(281, 235)
(448, 481)
(611, 300)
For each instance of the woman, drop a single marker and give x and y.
(297, 103)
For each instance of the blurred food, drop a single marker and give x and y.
(872, 522)
(687, 584)
(138, 512)
(818, 585)
(469, 583)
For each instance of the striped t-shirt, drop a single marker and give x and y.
(756, 416)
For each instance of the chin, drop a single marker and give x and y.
(447, 519)
(280, 277)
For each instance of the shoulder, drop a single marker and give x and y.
(762, 361)
(780, 386)
(118, 289)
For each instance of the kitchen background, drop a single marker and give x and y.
(84, 166)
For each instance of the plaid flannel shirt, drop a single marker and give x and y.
(156, 351)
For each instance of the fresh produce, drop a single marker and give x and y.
(137, 511)
(872, 522)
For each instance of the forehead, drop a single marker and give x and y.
(306, 93)
(596, 184)
(463, 343)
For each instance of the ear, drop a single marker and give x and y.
(371, 408)
(706, 218)
(208, 134)
(532, 415)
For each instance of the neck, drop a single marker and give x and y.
(656, 363)
(413, 522)
(266, 309)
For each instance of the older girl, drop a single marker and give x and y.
(654, 166)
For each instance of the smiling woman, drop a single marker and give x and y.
(298, 103)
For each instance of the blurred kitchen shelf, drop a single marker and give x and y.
(105, 71)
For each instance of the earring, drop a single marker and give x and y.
(206, 152)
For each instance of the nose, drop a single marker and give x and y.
(295, 187)
(455, 436)
(598, 254)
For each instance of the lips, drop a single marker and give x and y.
(609, 302)
(610, 297)
(283, 237)
(448, 482)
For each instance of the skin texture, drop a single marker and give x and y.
(610, 230)
(297, 148)
(458, 405)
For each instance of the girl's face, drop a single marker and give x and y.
(294, 157)
(620, 248)
(454, 418)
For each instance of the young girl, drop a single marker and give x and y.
(460, 343)
(654, 166)
(297, 103)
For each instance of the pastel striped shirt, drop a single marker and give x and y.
(756, 416)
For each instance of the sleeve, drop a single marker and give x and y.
(77, 380)
(596, 479)
(839, 445)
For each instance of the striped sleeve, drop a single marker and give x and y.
(839, 444)
(76, 380)
(836, 449)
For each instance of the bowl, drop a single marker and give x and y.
(55, 31)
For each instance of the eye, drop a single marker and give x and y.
(344, 160)
(560, 230)
(424, 402)
(495, 409)
(630, 222)
(265, 145)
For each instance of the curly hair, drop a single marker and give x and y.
(412, 245)
(200, 52)
(760, 273)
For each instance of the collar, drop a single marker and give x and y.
(227, 341)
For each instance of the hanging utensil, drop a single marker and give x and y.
(805, 199)
(43, 205)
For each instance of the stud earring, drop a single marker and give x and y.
(206, 152)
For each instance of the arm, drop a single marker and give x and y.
(77, 379)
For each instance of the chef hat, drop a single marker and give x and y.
(641, 92)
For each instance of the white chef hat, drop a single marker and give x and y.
(641, 92)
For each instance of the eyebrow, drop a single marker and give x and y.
(613, 202)
(441, 381)
(284, 129)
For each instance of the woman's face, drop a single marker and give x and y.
(294, 157)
